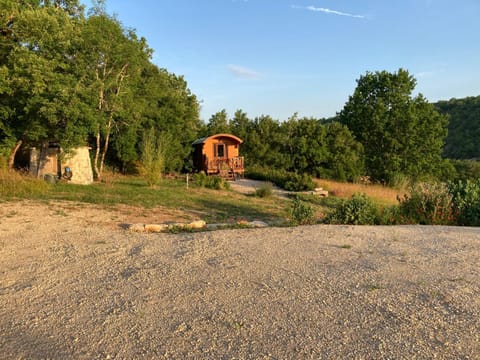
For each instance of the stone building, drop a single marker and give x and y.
(48, 160)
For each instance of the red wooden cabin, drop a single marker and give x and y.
(218, 155)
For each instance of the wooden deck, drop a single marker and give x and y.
(226, 168)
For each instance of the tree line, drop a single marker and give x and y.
(383, 132)
(463, 140)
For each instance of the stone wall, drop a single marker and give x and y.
(80, 164)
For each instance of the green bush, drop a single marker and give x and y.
(466, 202)
(200, 179)
(358, 210)
(302, 213)
(427, 204)
(286, 180)
(391, 215)
(210, 182)
(266, 190)
(216, 183)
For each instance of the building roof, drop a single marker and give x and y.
(205, 139)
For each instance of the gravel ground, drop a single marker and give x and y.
(74, 284)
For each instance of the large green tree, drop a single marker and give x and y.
(42, 99)
(218, 123)
(402, 134)
(173, 111)
(113, 59)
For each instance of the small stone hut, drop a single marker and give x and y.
(48, 161)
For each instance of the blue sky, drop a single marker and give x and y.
(280, 57)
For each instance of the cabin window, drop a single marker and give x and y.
(220, 150)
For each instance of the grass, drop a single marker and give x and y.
(213, 206)
(382, 195)
(13, 184)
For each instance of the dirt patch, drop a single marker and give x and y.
(73, 284)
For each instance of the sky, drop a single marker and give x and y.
(281, 57)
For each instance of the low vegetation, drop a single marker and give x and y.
(358, 210)
(211, 205)
(289, 181)
(454, 203)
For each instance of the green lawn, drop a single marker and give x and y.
(212, 206)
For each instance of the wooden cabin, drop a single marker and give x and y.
(219, 155)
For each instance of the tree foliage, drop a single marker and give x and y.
(81, 79)
(298, 145)
(402, 134)
(464, 127)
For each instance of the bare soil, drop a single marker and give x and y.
(75, 284)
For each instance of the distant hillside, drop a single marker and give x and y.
(463, 141)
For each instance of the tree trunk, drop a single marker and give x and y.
(97, 154)
(107, 140)
(11, 158)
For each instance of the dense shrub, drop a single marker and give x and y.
(427, 204)
(391, 215)
(302, 213)
(466, 202)
(200, 179)
(210, 182)
(286, 180)
(358, 210)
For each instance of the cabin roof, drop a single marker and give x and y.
(205, 139)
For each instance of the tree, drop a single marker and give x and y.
(345, 154)
(304, 142)
(114, 59)
(42, 97)
(72, 79)
(402, 135)
(171, 108)
(218, 123)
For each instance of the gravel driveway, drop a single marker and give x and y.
(74, 285)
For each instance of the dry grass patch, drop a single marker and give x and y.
(383, 195)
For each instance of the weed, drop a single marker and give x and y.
(14, 185)
(373, 287)
(60, 212)
(11, 214)
(265, 190)
(427, 204)
(466, 202)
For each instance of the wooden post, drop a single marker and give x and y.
(187, 181)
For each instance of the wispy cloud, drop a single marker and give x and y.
(327, 11)
(425, 74)
(243, 72)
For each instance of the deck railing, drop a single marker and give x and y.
(218, 165)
